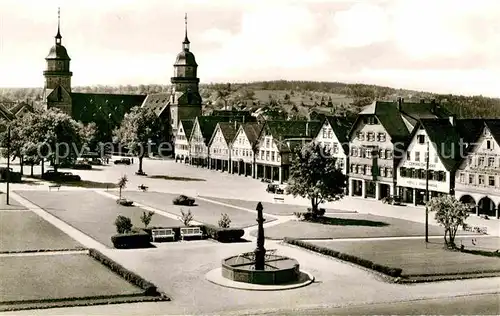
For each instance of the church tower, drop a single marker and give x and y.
(57, 89)
(185, 100)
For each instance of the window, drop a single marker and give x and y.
(436, 159)
(402, 172)
(491, 181)
(361, 136)
(388, 154)
(417, 156)
(267, 142)
(335, 148)
(368, 152)
(383, 172)
(488, 144)
(368, 170)
(491, 161)
(480, 161)
(340, 163)
(408, 155)
(278, 157)
(324, 132)
(381, 137)
(329, 133)
(480, 179)
(381, 154)
(421, 139)
(267, 154)
(471, 179)
(261, 155)
(462, 178)
(272, 156)
(389, 172)
(371, 136)
(353, 168)
(359, 169)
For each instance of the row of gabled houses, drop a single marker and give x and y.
(389, 150)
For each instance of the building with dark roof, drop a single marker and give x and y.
(243, 148)
(220, 145)
(182, 140)
(380, 131)
(333, 137)
(275, 146)
(477, 176)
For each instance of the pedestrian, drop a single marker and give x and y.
(132, 160)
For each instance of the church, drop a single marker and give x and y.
(107, 110)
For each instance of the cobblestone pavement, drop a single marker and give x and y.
(179, 268)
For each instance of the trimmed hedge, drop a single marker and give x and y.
(393, 272)
(148, 287)
(43, 250)
(139, 239)
(224, 234)
(481, 252)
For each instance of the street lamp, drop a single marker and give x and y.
(427, 194)
(8, 163)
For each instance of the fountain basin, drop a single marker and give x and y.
(277, 270)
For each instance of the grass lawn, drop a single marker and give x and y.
(416, 257)
(351, 226)
(90, 212)
(88, 184)
(58, 276)
(204, 212)
(21, 231)
(270, 208)
(13, 204)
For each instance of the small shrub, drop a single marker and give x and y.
(224, 221)
(183, 200)
(308, 216)
(186, 217)
(224, 234)
(299, 215)
(123, 224)
(146, 218)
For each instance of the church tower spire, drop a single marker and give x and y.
(185, 44)
(58, 35)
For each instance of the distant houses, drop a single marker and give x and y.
(390, 149)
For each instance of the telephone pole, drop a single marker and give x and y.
(427, 194)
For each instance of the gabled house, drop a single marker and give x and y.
(376, 140)
(182, 137)
(477, 179)
(333, 137)
(201, 134)
(434, 152)
(243, 147)
(275, 146)
(220, 145)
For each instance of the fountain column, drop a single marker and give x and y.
(260, 251)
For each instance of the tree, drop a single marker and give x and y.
(122, 184)
(89, 135)
(223, 92)
(315, 176)
(186, 217)
(123, 224)
(451, 214)
(138, 129)
(224, 221)
(146, 218)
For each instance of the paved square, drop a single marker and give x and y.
(13, 204)
(91, 212)
(205, 212)
(24, 230)
(58, 276)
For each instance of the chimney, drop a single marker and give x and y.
(307, 128)
(400, 103)
(452, 119)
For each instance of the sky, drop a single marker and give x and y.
(442, 46)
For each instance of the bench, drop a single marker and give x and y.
(191, 232)
(143, 187)
(279, 199)
(54, 186)
(162, 233)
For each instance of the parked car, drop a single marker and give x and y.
(123, 161)
(14, 177)
(183, 200)
(82, 165)
(394, 200)
(274, 188)
(51, 175)
(96, 162)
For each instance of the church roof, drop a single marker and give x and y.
(103, 108)
(157, 102)
(58, 52)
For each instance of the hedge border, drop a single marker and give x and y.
(42, 250)
(392, 272)
(66, 299)
(81, 302)
(209, 231)
(149, 288)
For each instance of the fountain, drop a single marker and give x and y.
(261, 267)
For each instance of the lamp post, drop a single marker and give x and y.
(8, 163)
(427, 194)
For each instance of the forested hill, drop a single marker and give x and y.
(294, 98)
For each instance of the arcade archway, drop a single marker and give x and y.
(486, 206)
